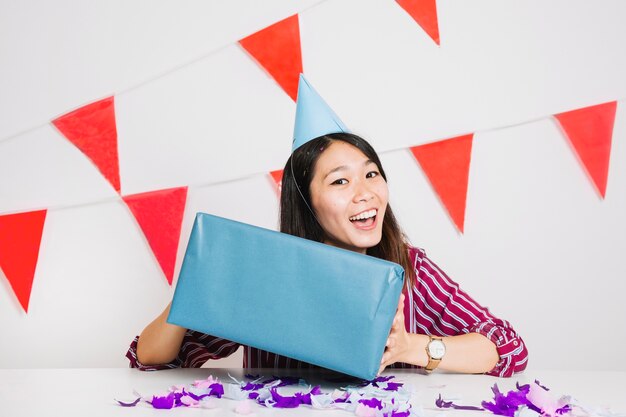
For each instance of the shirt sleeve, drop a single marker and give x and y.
(441, 308)
(195, 350)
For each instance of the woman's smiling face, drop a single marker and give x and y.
(349, 197)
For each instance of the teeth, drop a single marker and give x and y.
(364, 215)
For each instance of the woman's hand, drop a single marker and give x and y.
(466, 353)
(398, 346)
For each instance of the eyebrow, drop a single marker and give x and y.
(344, 167)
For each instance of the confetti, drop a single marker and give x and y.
(131, 404)
(380, 397)
(441, 403)
(505, 404)
(531, 400)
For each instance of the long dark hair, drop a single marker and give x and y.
(297, 218)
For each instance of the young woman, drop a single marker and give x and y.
(334, 191)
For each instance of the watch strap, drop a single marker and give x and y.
(432, 362)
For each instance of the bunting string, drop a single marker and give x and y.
(150, 80)
(256, 174)
(159, 213)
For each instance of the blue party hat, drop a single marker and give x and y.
(314, 117)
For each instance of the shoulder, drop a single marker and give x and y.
(417, 256)
(426, 271)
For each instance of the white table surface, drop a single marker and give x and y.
(91, 392)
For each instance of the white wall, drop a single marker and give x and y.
(540, 248)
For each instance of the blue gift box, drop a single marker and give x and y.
(302, 299)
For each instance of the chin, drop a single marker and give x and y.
(364, 244)
(358, 243)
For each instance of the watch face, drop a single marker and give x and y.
(436, 349)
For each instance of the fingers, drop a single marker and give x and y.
(385, 361)
(396, 326)
(400, 311)
(398, 321)
(389, 354)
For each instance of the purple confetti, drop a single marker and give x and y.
(180, 397)
(393, 386)
(216, 390)
(177, 398)
(306, 398)
(284, 402)
(343, 399)
(376, 380)
(441, 403)
(194, 396)
(525, 389)
(303, 398)
(505, 405)
(372, 403)
(406, 413)
(294, 401)
(131, 404)
(532, 396)
(565, 409)
(252, 387)
(164, 403)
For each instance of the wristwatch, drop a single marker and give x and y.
(435, 349)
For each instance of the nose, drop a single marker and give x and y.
(362, 193)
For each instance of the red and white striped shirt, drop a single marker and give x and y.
(435, 305)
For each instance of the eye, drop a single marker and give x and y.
(372, 174)
(340, 181)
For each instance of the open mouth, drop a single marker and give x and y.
(364, 220)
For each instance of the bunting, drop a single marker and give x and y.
(446, 164)
(277, 49)
(20, 238)
(590, 131)
(92, 129)
(277, 180)
(160, 216)
(424, 12)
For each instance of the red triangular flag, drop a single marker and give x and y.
(277, 49)
(160, 216)
(446, 164)
(92, 130)
(277, 180)
(424, 12)
(590, 130)
(20, 236)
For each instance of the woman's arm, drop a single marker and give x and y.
(160, 341)
(162, 346)
(470, 353)
(437, 306)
